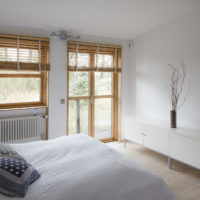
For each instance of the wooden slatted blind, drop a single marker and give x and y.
(93, 57)
(24, 53)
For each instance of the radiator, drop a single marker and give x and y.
(21, 129)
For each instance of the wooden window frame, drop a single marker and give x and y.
(43, 91)
(42, 65)
(116, 93)
(26, 42)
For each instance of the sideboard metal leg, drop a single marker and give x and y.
(124, 143)
(169, 163)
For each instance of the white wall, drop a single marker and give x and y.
(57, 88)
(58, 78)
(150, 56)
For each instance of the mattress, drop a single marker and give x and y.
(79, 167)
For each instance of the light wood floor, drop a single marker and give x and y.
(183, 180)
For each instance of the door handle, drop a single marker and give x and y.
(91, 98)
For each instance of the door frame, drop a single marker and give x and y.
(116, 91)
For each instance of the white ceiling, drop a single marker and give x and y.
(124, 19)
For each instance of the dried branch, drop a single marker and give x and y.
(174, 85)
(184, 98)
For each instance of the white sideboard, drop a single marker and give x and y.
(180, 144)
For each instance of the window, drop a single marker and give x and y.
(94, 90)
(83, 59)
(21, 89)
(24, 66)
(102, 60)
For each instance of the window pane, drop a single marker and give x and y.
(18, 90)
(78, 116)
(25, 55)
(19, 72)
(103, 83)
(78, 84)
(83, 59)
(103, 118)
(103, 60)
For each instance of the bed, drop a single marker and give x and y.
(79, 167)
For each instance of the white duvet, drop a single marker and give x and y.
(79, 167)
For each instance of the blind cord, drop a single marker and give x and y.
(97, 58)
(18, 66)
(115, 59)
(45, 57)
(39, 56)
(76, 61)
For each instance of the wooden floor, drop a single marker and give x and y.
(183, 180)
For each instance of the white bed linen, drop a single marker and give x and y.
(79, 167)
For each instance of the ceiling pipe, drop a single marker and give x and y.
(64, 36)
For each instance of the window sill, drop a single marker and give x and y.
(23, 108)
(107, 140)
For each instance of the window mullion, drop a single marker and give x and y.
(91, 124)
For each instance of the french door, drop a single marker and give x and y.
(93, 100)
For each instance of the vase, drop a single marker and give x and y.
(173, 118)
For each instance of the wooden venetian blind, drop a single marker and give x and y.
(93, 57)
(24, 53)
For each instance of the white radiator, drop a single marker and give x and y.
(21, 129)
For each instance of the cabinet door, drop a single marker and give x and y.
(186, 150)
(133, 130)
(156, 139)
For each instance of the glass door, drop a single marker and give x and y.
(90, 103)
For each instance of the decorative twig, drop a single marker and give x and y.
(174, 86)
